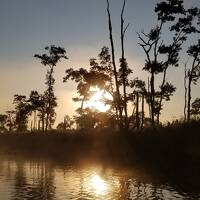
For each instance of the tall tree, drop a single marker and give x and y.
(124, 69)
(54, 55)
(118, 95)
(193, 73)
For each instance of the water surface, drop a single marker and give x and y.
(32, 179)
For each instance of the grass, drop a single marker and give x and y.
(171, 145)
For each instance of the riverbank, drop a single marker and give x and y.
(165, 146)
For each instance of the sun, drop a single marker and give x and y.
(96, 102)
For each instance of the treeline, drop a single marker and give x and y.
(113, 77)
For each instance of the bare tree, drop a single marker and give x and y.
(118, 96)
(125, 71)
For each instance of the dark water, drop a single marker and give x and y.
(32, 179)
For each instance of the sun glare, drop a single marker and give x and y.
(96, 101)
(98, 184)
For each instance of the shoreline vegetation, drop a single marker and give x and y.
(174, 146)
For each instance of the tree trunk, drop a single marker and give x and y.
(34, 121)
(43, 120)
(124, 67)
(189, 99)
(149, 103)
(152, 100)
(161, 96)
(82, 104)
(50, 88)
(115, 69)
(142, 121)
(189, 88)
(137, 111)
(185, 97)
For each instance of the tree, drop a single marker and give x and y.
(10, 123)
(160, 56)
(138, 92)
(124, 70)
(195, 111)
(33, 99)
(66, 124)
(118, 95)
(54, 55)
(3, 119)
(99, 74)
(193, 73)
(85, 118)
(38, 104)
(22, 111)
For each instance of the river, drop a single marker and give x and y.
(23, 178)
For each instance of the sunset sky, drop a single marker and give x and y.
(80, 26)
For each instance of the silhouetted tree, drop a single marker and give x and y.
(38, 104)
(193, 72)
(66, 124)
(99, 74)
(160, 56)
(118, 95)
(22, 111)
(3, 119)
(124, 70)
(54, 55)
(10, 123)
(33, 99)
(138, 92)
(195, 111)
(85, 118)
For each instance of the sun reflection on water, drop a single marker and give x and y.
(98, 184)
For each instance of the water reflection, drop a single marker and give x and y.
(32, 181)
(39, 180)
(98, 184)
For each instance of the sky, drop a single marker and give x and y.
(80, 26)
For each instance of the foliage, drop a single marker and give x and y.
(159, 55)
(38, 104)
(22, 111)
(99, 74)
(67, 124)
(195, 111)
(53, 56)
(193, 74)
(3, 120)
(10, 120)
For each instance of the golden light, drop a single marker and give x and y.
(96, 101)
(98, 185)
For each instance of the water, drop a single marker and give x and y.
(34, 179)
